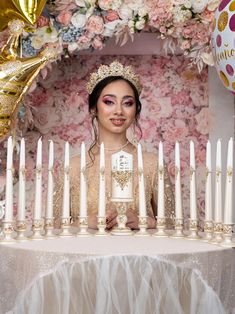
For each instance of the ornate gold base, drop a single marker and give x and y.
(37, 230)
(21, 229)
(7, 232)
(178, 233)
(143, 224)
(161, 228)
(208, 231)
(227, 236)
(193, 230)
(101, 227)
(83, 226)
(49, 229)
(65, 228)
(121, 229)
(217, 233)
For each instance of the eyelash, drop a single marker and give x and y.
(127, 104)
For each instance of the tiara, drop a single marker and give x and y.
(114, 69)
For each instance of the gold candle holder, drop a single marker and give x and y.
(161, 228)
(65, 228)
(178, 233)
(143, 224)
(83, 226)
(21, 229)
(193, 230)
(227, 235)
(217, 233)
(49, 228)
(37, 230)
(121, 228)
(101, 226)
(208, 231)
(7, 232)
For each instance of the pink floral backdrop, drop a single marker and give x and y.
(175, 107)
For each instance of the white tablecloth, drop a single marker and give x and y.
(21, 264)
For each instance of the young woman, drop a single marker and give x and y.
(114, 106)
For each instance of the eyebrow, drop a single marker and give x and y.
(113, 96)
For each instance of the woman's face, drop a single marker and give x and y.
(116, 107)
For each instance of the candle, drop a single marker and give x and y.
(178, 197)
(193, 198)
(218, 187)
(161, 195)
(228, 208)
(66, 194)
(83, 183)
(9, 182)
(122, 177)
(21, 203)
(208, 192)
(50, 182)
(142, 200)
(101, 212)
(38, 181)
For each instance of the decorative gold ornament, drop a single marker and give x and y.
(114, 69)
(25, 10)
(122, 177)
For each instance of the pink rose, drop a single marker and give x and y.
(95, 24)
(104, 4)
(185, 45)
(97, 43)
(42, 21)
(111, 16)
(64, 17)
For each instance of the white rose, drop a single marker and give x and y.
(135, 5)
(80, 3)
(180, 16)
(208, 58)
(78, 20)
(72, 47)
(110, 27)
(187, 4)
(115, 5)
(213, 4)
(131, 24)
(140, 24)
(125, 12)
(198, 6)
(142, 12)
(37, 42)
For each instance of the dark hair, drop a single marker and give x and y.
(92, 103)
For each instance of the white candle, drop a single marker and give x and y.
(50, 182)
(9, 181)
(193, 198)
(66, 194)
(208, 192)
(228, 208)
(218, 186)
(83, 183)
(21, 203)
(142, 200)
(178, 196)
(161, 193)
(38, 181)
(101, 212)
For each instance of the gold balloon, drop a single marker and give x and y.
(16, 75)
(26, 10)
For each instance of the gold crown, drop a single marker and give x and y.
(114, 69)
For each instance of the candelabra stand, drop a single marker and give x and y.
(178, 222)
(37, 230)
(161, 228)
(193, 230)
(228, 234)
(143, 224)
(21, 228)
(7, 232)
(83, 226)
(121, 228)
(101, 226)
(217, 233)
(49, 228)
(208, 231)
(65, 226)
